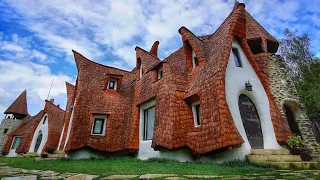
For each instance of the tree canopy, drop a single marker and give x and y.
(304, 68)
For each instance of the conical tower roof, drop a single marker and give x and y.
(19, 106)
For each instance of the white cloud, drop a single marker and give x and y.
(15, 77)
(20, 49)
(5, 46)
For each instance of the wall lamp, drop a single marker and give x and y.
(248, 86)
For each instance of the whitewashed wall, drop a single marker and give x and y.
(236, 77)
(41, 128)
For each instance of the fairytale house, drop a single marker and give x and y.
(34, 134)
(218, 96)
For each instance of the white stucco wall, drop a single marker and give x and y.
(145, 149)
(41, 128)
(69, 128)
(61, 136)
(236, 77)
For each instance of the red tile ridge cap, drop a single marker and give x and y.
(75, 52)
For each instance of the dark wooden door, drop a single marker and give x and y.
(251, 122)
(38, 142)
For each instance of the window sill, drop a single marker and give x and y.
(97, 135)
(196, 128)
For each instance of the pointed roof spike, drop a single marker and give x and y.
(19, 106)
(154, 49)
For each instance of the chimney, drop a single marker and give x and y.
(51, 100)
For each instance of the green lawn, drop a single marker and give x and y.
(126, 166)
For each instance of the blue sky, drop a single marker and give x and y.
(37, 36)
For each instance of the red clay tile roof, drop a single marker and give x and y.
(174, 124)
(154, 49)
(29, 125)
(71, 90)
(148, 60)
(19, 106)
(26, 130)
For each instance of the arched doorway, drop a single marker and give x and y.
(251, 122)
(38, 142)
(291, 120)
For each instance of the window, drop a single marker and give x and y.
(5, 131)
(236, 57)
(196, 113)
(112, 84)
(16, 142)
(160, 74)
(195, 60)
(99, 125)
(140, 70)
(44, 120)
(149, 115)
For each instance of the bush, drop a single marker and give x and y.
(295, 141)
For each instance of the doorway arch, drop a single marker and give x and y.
(38, 142)
(251, 122)
(291, 118)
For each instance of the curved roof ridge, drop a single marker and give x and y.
(91, 61)
(154, 49)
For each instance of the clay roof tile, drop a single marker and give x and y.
(19, 106)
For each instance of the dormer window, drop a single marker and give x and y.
(112, 84)
(195, 60)
(236, 57)
(160, 73)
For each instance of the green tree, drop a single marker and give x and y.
(304, 68)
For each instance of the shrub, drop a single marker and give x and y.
(295, 141)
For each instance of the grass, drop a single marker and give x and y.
(127, 166)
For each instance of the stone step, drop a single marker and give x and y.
(290, 165)
(275, 158)
(58, 152)
(55, 155)
(31, 154)
(270, 152)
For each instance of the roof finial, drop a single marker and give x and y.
(236, 3)
(154, 49)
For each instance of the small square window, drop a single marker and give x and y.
(44, 120)
(236, 57)
(5, 131)
(16, 142)
(195, 60)
(196, 113)
(112, 84)
(98, 126)
(160, 72)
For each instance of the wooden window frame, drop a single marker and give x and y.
(145, 124)
(44, 120)
(14, 141)
(236, 57)
(114, 85)
(103, 125)
(196, 108)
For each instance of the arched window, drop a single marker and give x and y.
(38, 142)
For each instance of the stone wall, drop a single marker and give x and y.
(285, 93)
(10, 124)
